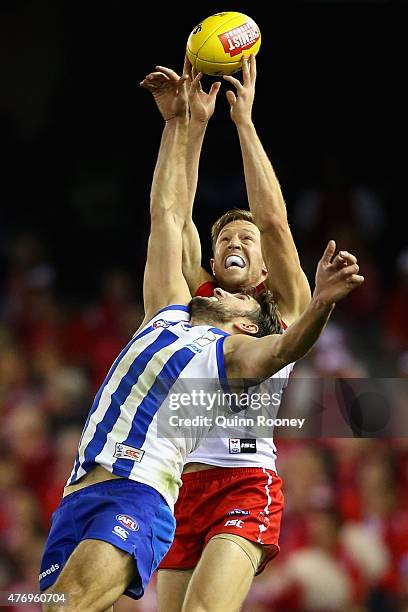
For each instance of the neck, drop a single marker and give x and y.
(227, 327)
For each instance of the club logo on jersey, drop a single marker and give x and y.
(161, 323)
(119, 531)
(127, 521)
(122, 451)
(238, 511)
(239, 39)
(234, 523)
(204, 340)
(237, 445)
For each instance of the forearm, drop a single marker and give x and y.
(169, 186)
(196, 133)
(264, 193)
(299, 338)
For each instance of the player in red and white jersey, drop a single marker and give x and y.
(228, 514)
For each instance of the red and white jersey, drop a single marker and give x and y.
(238, 446)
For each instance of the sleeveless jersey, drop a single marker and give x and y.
(121, 432)
(239, 447)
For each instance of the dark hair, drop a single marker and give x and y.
(236, 214)
(267, 317)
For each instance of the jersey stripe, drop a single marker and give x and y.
(96, 401)
(112, 396)
(151, 404)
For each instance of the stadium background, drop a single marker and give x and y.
(79, 144)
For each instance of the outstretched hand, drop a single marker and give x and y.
(336, 278)
(202, 104)
(171, 92)
(168, 90)
(242, 101)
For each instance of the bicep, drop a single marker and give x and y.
(164, 282)
(286, 279)
(252, 358)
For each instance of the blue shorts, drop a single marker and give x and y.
(130, 515)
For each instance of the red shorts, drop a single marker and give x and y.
(247, 502)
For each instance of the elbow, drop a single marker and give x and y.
(272, 223)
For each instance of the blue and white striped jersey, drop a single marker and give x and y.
(121, 431)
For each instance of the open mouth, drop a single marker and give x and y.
(234, 261)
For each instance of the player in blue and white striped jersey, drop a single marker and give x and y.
(116, 513)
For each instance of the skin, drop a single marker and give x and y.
(84, 577)
(266, 245)
(243, 239)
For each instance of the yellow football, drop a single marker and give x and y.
(217, 44)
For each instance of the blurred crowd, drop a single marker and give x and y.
(344, 544)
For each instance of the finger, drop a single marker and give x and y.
(231, 98)
(187, 66)
(252, 66)
(328, 252)
(234, 82)
(356, 279)
(245, 70)
(194, 72)
(196, 82)
(348, 257)
(181, 83)
(342, 259)
(215, 87)
(347, 272)
(158, 75)
(149, 85)
(170, 73)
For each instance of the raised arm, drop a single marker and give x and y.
(202, 106)
(260, 358)
(286, 278)
(164, 282)
(161, 84)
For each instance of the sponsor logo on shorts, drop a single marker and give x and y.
(122, 451)
(234, 523)
(119, 531)
(54, 567)
(238, 511)
(161, 323)
(127, 521)
(237, 445)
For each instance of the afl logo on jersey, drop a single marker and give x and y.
(160, 323)
(127, 521)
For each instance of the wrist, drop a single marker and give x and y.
(321, 304)
(244, 124)
(177, 119)
(199, 124)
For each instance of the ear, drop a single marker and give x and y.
(246, 328)
(212, 264)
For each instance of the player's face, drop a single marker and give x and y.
(238, 261)
(223, 307)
